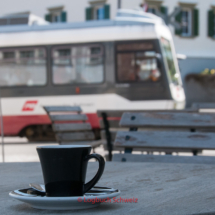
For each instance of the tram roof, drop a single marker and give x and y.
(124, 17)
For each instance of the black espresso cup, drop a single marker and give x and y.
(64, 169)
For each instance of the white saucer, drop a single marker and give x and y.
(97, 195)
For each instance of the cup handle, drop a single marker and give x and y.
(98, 175)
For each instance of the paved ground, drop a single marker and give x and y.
(19, 150)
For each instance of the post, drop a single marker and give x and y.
(108, 135)
(2, 131)
(119, 4)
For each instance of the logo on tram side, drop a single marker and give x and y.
(29, 105)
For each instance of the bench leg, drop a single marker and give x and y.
(168, 153)
(195, 152)
(108, 136)
(123, 159)
(128, 150)
(150, 153)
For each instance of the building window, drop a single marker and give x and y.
(78, 65)
(152, 9)
(23, 67)
(157, 10)
(156, 7)
(188, 18)
(186, 22)
(56, 14)
(56, 17)
(211, 23)
(98, 12)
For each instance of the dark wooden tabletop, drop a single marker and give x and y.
(160, 188)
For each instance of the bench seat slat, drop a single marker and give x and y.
(168, 120)
(150, 149)
(209, 105)
(166, 140)
(119, 113)
(62, 108)
(63, 127)
(67, 117)
(164, 158)
(75, 136)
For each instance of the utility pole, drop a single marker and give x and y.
(2, 131)
(119, 4)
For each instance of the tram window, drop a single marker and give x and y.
(134, 65)
(23, 67)
(78, 64)
(64, 52)
(167, 53)
(26, 54)
(8, 55)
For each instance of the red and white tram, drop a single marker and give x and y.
(126, 63)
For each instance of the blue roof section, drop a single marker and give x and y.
(65, 26)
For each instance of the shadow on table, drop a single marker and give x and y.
(210, 213)
(105, 207)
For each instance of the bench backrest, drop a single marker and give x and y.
(114, 116)
(170, 140)
(62, 109)
(69, 124)
(168, 120)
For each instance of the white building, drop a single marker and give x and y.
(197, 17)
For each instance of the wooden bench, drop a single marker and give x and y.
(70, 126)
(109, 124)
(181, 133)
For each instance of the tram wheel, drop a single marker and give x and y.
(38, 133)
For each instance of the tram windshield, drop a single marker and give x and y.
(137, 62)
(168, 57)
